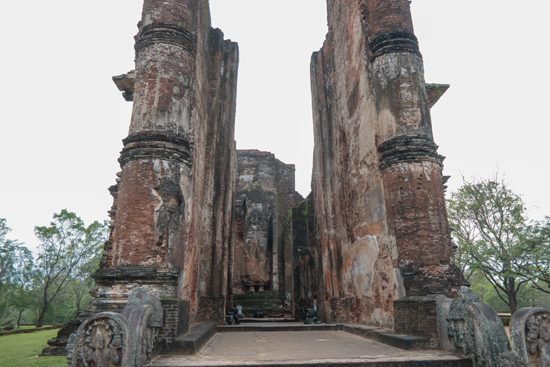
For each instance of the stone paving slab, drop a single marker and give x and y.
(305, 348)
(264, 320)
(278, 327)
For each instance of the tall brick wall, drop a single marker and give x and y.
(307, 260)
(208, 240)
(377, 184)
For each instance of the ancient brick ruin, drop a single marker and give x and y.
(200, 223)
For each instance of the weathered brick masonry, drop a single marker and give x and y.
(198, 222)
(377, 183)
(173, 202)
(174, 199)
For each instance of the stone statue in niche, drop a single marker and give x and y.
(257, 247)
(255, 265)
(168, 214)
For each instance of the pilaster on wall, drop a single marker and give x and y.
(210, 221)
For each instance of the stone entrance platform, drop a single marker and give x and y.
(306, 348)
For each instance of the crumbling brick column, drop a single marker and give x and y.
(148, 213)
(410, 165)
(172, 211)
(150, 200)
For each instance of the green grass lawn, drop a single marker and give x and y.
(22, 350)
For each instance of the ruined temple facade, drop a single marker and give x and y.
(213, 222)
(200, 223)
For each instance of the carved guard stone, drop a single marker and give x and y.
(142, 296)
(476, 329)
(530, 334)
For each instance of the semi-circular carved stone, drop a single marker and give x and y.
(530, 334)
(477, 329)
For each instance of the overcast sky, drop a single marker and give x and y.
(63, 119)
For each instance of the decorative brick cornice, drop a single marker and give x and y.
(131, 273)
(408, 149)
(155, 145)
(164, 33)
(394, 42)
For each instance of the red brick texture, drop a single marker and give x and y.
(134, 237)
(418, 316)
(386, 16)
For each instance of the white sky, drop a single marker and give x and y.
(63, 119)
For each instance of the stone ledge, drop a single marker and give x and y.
(278, 319)
(244, 328)
(400, 341)
(364, 331)
(135, 272)
(192, 342)
(27, 331)
(405, 342)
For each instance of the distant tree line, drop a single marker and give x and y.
(503, 254)
(52, 286)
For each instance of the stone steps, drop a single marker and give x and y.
(274, 319)
(192, 342)
(378, 362)
(310, 345)
(378, 349)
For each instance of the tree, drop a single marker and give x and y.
(15, 259)
(83, 283)
(16, 263)
(65, 246)
(489, 224)
(537, 236)
(20, 299)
